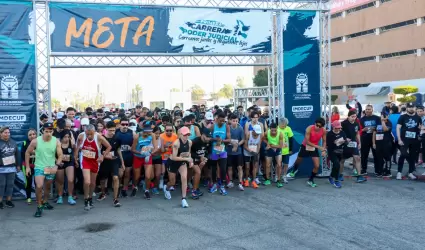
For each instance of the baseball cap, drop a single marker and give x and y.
(133, 124)
(257, 129)
(59, 115)
(138, 106)
(186, 113)
(336, 124)
(147, 127)
(209, 116)
(410, 105)
(185, 130)
(85, 121)
(206, 132)
(48, 125)
(149, 114)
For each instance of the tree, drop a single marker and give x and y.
(226, 91)
(334, 98)
(240, 82)
(174, 90)
(214, 96)
(197, 92)
(55, 103)
(405, 91)
(261, 79)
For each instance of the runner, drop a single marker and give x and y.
(369, 122)
(125, 137)
(274, 141)
(335, 141)
(48, 156)
(67, 166)
(382, 139)
(9, 166)
(221, 136)
(179, 162)
(408, 130)
(288, 136)
(199, 152)
(89, 145)
(234, 152)
(420, 112)
(143, 145)
(310, 148)
(113, 165)
(167, 140)
(251, 151)
(157, 160)
(32, 134)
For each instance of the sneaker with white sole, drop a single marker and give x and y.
(285, 180)
(161, 182)
(230, 185)
(257, 181)
(399, 176)
(184, 203)
(240, 187)
(167, 193)
(412, 176)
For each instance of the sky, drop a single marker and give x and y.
(117, 82)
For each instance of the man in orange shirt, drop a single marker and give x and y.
(167, 140)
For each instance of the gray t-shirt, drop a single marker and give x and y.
(236, 134)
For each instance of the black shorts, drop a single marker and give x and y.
(350, 152)
(157, 161)
(108, 168)
(285, 159)
(128, 161)
(173, 166)
(65, 165)
(234, 161)
(303, 153)
(251, 159)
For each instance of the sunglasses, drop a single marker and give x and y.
(186, 135)
(169, 130)
(124, 124)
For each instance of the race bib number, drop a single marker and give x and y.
(185, 154)
(410, 134)
(8, 160)
(89, 154)
(310, 148)
(370, 130)
(339, 142)
(379, 137)
(111, 154)
(234, 142)
(252, 147)
(352, 144)
(125, 148)
(66, 157)
(50, 170)
(219, 148)
(146, 149)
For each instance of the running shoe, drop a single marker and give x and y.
(363, 172)
(285, 180)
(86, 205)
(47, 206)
(355, 173)
(91, 203)
(254, 184)
(189, 185)
(194, 195)
(361, 179)
(124, 194)
(240, 187)
(172, 188)
(155, 191)
(337, 184)
(38, 212)
(147, 195)
(331, 180)
(230, 185)
(223, 190)
(267, 182)
(293, 173)
(29, 201)
(117, 203)
(341, 177)
(311, 183)
(388, 175)
(1, 205)
(167, 193)
(257, 181)
(71, 201)
(101, 197)
(213, 189)
(60, 200)
(275, 179)
(199, 192)
(10, 204)
(161, 183)
(399, 176)
(184, 203)
(133, 192)
(412, 176)
(246, 183)
(279, 184)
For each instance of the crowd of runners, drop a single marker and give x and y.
(149, 152)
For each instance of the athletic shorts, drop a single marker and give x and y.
(350, 152)
(65, 165)
(94, 168)
(165, 162)
(139, 162)
(215, 157)
(128, 161)
(252, 159)
(108, 168)
(157, 161)
(234, 161)
(173, 166)
(285, 159)
(263, 151)
(303, 153)
(271, 153)
(40, 172)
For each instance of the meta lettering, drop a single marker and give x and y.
(146, 28)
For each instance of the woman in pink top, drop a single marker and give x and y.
(310, 148)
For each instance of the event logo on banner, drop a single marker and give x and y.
(301, 73)
(131, 29)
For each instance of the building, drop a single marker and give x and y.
(376, 41)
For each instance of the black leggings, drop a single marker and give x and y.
(367, 145)
(383, 155)
(28, 188)
(222, 162)
(410, 152)
(335, 159)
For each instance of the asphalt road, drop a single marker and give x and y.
(379, 214)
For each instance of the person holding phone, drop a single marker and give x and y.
(9, 165)
(382, 139)
(369, 122)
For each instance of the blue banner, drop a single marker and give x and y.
(18, 105)
(301, 38)
(96, 28)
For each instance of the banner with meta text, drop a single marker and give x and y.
(79, 27)
(301, 38)
(18, 105)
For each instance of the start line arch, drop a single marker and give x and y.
(274, 54)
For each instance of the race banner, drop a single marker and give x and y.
(301, 74)
(18, 105)
(80, 27)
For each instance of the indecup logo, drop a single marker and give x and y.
(302, 83)
(13, 118)
(297, 109)
(9, 87)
